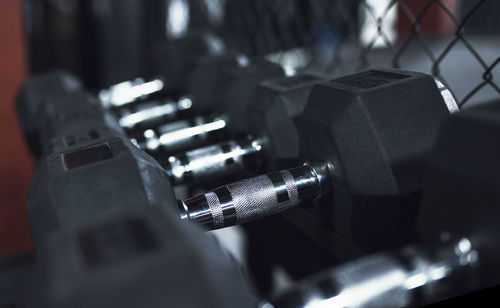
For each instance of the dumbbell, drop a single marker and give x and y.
(365, 134)
(458, 225)
(272, 118)
(141, 112)
(129, 91)
(277, 104)
(36, 91)
(411, 277)
(245, 75)
(161, 136)
(88, 129)
(201, 82)
(271, 138)
(122, 176)
(90, 173)
(177, 58)
(141, 258)
(65, 113)
(460, 199)
(32, 94)
(228, 95)
(170, 135)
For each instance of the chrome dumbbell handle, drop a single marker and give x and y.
(212, 161)
(127, 92)
(181, 134)
(168, 109)
(253, 198)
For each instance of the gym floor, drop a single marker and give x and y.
(16, 166)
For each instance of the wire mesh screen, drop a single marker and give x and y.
(456, 41)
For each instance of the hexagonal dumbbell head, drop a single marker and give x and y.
(94, 178)
(137, 259)
(177, 58)
(69, 114)
(32, 95)
(203, 80)
(275, 107)
(235, 88)
(374, 128)
(461, 196)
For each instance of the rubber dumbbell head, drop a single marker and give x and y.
(135, 259)
(234, 89)
(375, 128)
(68, 114)
(93, 178)
(177, 58)
(276, 105)
(461, 192)
(33, 93)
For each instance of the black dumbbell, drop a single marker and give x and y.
(458, 226)
(92, 173)
(411, 277)
(271, 138)
(460, 200)
(170, 135)
(177, 58)
(32, 94)
(228, 97)
(201, 80)
(365, 134)
(163, 135)
(129, 91)
(272, 118)
(135, 259)
(227, 76)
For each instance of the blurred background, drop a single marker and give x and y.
(108, 41)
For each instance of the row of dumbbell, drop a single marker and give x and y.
(366, 134)
(226, 85)
(458, 217)
(174, 135)
(458, 221)
(308, 178)
(381, 156)
(283, 137)
(220, 80)
(270, 114)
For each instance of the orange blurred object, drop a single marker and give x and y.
(435, 20)
(16, 165)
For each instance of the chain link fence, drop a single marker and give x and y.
(456, 41)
